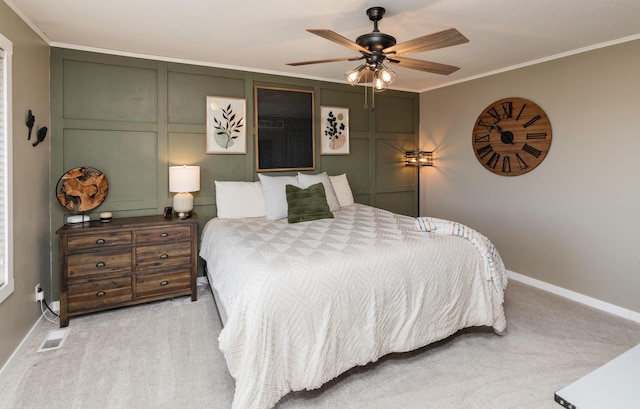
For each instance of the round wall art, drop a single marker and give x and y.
(82, 189)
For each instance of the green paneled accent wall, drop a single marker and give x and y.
(132, 118)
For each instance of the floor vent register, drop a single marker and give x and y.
(54, 340)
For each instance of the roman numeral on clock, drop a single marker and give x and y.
(521, 162)
(507, 107)
(494, 113)
(493, 160)
(531, 121)
(520, 112)
(481, 138)
(537, 135)
(481, 123)
(531, 150)
(484, 151)
(506, 164)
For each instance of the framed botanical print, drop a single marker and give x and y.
(226, 125)
(334, 131)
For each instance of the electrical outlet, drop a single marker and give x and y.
(39, 293)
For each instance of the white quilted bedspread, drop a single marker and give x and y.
(308, 301)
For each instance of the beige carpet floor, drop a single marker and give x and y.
(165, 355)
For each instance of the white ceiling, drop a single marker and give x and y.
(262, 36)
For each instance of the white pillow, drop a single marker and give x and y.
(308, 180)
(342, 189)
(236, 200)
(275, 194)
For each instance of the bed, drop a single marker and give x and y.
(304, 302)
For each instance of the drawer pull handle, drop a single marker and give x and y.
(163, 283)
(101, 241)
(164, 257)
(100, 294)
(164, 235)
(100, 264)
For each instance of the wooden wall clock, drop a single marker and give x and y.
(511, 136)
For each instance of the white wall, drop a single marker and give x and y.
(574, 221)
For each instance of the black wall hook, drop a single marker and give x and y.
(42, 133)
(30, 121)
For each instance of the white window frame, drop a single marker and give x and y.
(6, 269)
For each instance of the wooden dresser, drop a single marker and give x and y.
(126, 261)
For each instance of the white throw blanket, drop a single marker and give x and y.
(496, 271)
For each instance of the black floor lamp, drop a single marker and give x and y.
(418, 159)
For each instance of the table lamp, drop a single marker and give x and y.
(183, 180)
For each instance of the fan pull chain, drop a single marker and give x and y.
(365, 106)
(373, 100)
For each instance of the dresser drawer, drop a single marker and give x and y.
(148, 285)
(99, 263)
(163, 235)
(97, 294)
(106, 239)
(163, 256)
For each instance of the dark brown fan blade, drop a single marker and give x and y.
(337, 38)
(295, 64)
(442, 39)
(428, 66)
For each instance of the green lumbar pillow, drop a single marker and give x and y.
(307, 204)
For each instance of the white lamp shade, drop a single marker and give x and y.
(184, 178)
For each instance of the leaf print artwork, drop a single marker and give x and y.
(335, 130)
(228, 129)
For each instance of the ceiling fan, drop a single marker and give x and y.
(376, 48)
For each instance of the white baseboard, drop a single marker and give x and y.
(25, 341)
(577, 297)
(55, 306)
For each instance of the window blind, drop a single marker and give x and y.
(3, 171)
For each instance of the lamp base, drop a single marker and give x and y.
(183, 204)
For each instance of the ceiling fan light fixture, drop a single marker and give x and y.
(379, 75)
(355, 76)
(382, 78)
(379, 84)
(387, 75)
